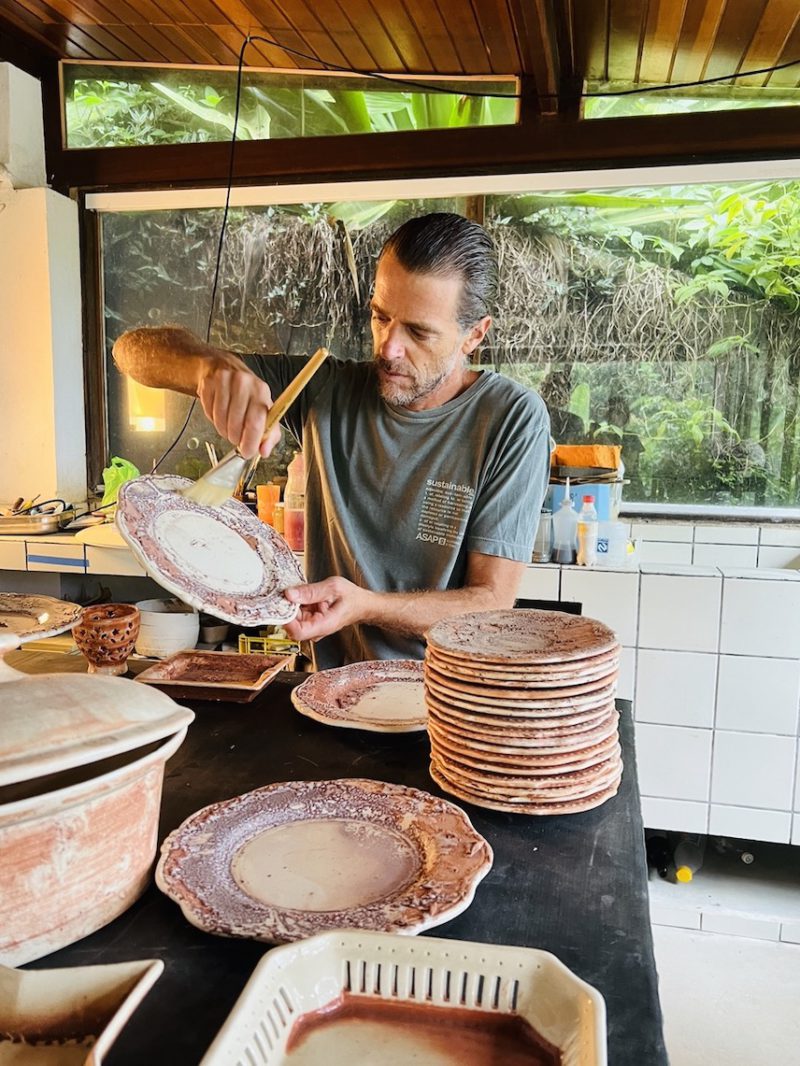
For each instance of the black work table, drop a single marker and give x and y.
(575, 885)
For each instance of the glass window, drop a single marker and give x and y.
(724, 97)
(664, 319)
(118, 106)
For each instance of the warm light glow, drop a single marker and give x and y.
(146, 408)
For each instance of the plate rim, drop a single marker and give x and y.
(266, 931)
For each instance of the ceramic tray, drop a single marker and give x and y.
(33, 617)
(385, 696)
(221, 560)
(214, 675)
(71, 1016)
(292, 859)
(374, 976)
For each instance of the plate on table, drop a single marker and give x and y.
(34, 617)
(214, 675)
(296, 858)
(221, 560)
(384, 696)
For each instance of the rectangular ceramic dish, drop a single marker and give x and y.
(317, 1001)
(214, 675)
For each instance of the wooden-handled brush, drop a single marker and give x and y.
(219, 483)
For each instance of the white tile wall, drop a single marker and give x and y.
(674, 762)
(665, 531)
(726, 534)
(750, 824)
(796, 829)
(540, 582)
(658, 552)
(738, 925)
(758, 695)
(684, 816)
(780, 534)
(611, 596)
(783, 558)
(626, 683)
(745, 555)
(751, 770)
(680, 917)
(679, 613)
(676, 687)
(761, 617)
(790, 932)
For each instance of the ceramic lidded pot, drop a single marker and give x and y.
(82, 761)
(106, 635)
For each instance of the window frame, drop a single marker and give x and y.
(475, 186)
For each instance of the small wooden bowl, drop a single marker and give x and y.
(106, 635)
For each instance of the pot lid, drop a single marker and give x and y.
(53, 722)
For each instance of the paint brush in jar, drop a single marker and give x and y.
(219, 483)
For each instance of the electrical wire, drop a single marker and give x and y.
(407, 83)
(434, 88)
(220, 243)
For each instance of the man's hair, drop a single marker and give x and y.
(445, 244)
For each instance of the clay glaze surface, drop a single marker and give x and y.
(221, 560)
(384, 696)
(34, 617)
(292, 859)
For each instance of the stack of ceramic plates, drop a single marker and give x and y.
(521, 710)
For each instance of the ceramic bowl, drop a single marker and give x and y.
(106, 634)
(166, 626)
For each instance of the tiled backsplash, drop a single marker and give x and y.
(711, 659)
(717, 544)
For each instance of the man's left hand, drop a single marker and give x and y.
(325, 607)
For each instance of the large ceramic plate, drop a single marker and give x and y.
(222, 560)
(385, 696)
(296, 858)
(521, 636)
(34, 617)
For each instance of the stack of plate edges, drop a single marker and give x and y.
(521, 710)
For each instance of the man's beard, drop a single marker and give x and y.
(413, 388)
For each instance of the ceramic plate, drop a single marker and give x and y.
(221, 560)
(33, 617)
(296, 858)
(522, 636)
(385, 696)
(216, 675)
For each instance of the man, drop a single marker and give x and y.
(424, 478)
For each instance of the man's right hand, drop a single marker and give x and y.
(236, 401)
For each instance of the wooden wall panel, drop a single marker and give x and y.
(737, 28)
(661, 35)
(696, 43)
(777, 25)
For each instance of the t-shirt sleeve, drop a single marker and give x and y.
(505, 514)
(278, 371)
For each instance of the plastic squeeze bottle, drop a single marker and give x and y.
(565, 528)
(688, 858)
(587, 533)
(294, 499)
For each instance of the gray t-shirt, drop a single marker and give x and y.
(396, 498)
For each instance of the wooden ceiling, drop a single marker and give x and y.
(557, 44)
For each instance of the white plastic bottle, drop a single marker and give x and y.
(565, 531)
(587, 533)
(689, 855)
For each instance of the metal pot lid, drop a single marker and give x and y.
(54, 722)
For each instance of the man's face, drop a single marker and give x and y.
(420, 348)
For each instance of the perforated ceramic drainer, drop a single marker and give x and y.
(304, 977)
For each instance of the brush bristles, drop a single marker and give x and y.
(218, 484)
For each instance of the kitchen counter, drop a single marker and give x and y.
(575, 885)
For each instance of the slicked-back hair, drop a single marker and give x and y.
(445, 244)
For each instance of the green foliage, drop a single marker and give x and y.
(172, 108)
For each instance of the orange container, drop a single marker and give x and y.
(266, 498)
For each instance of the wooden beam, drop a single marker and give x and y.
(23, 50)
(540, 144)
(537, 38)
